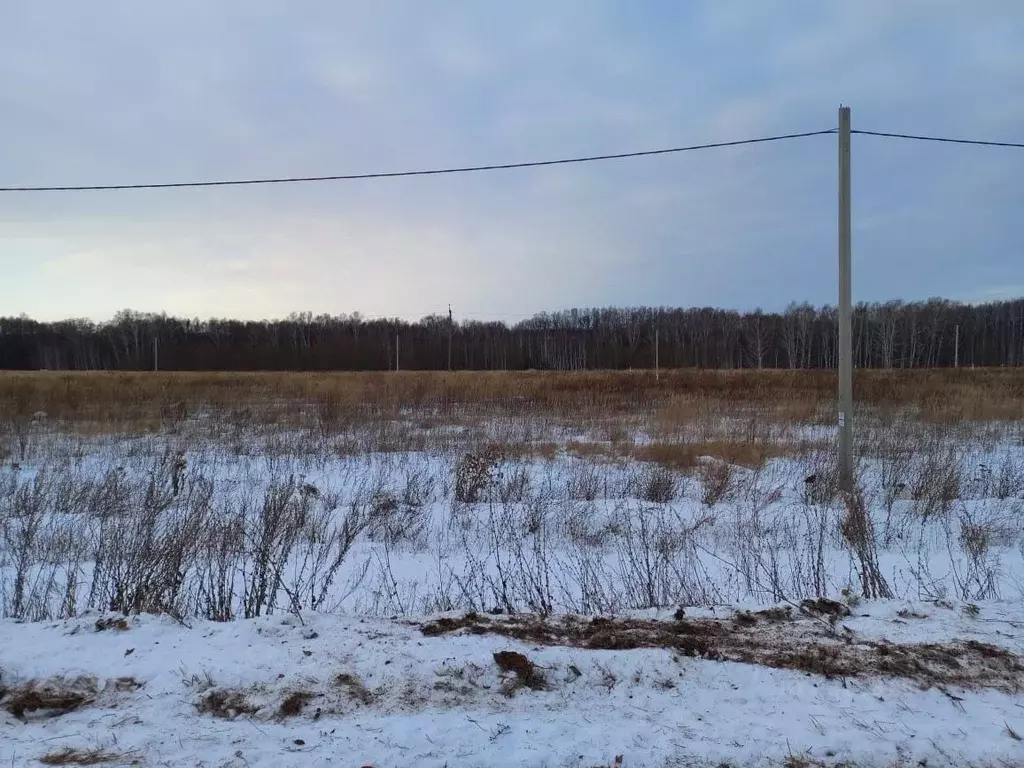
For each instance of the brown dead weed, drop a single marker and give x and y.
(519, 672)
(226, 704)
(73, 756)
(774, 638)
(49, 698)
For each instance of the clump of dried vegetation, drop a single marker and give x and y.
(519, 673)
(93, 756)
(48, 698)
(226, 703)
(293, 704)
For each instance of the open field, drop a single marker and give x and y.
(355, 503)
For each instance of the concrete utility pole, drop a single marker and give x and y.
(845, 331)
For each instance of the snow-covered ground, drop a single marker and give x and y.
(302, 564)
(383, 693)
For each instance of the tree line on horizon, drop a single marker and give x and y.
(895, 334)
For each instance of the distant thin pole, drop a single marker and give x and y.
(450, 326)
(845, 320)
(657, 368)
(156, 354)
(397, 348)
(956, 348)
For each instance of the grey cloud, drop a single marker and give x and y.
(134, 92)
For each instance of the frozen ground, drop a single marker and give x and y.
(301, 563)
(384, 693)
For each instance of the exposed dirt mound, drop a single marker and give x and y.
(773, 638)
(225, 703)
(49, 698)
(523, 672)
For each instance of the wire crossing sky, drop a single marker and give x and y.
(496, 167)
(431, 172)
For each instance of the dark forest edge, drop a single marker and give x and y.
(930, 334)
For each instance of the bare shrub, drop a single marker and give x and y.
(655, 558)
(895, 464)
(330, 412)
(145, 553)
(23, 509)
(418, 487)
(327, 540)
(513, 483)
(394, 518)
(658, 485)
(583, 482)
(221, 553)
(716, 481)
(820, 477)
(859, 533)
(174, 414)
(278, 524)
(977, 580)
(1009, 480)
(936, 479)
(17, 408)
(474, 474)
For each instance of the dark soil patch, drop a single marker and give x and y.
(50, 698)
(824, 607)
(524, 672)
(775, 638)
(224, 703)
(471, 622)
(112, 622)
(293, 704)
(354, 687)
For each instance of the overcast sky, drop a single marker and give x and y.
(126, 92)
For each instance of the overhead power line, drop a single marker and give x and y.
(428, 172)
(500, 166)
(942, 139)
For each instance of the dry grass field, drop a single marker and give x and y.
(671, 403)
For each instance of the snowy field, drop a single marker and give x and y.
(217, 590)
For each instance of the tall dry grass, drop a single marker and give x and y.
(679, 396)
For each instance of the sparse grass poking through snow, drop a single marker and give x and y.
(237, 496)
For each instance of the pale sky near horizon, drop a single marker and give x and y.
(111, 92)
